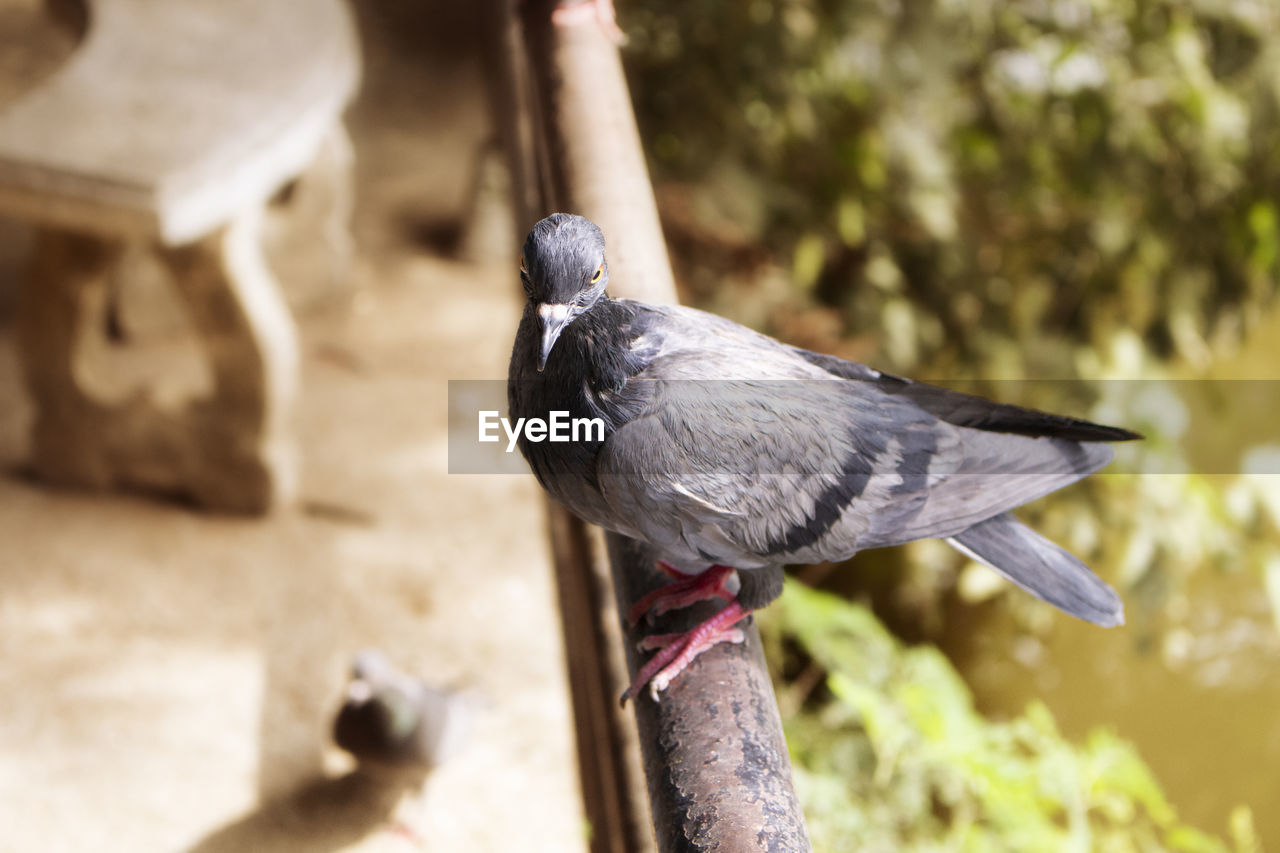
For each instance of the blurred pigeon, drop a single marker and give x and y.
(725, 448)
(391, 719)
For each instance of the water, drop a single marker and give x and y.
(1194, 678)
(1200, 701)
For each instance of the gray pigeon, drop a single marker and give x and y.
(391, 719)
(721, 447)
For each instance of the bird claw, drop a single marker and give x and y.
(665, 676)
(657, 641)
(677, 651)
(686, 590)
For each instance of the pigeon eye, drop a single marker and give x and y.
(597, 274)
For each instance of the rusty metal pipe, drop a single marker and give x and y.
(715, 759)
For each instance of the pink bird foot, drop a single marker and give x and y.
(685, 590)
(677, 651)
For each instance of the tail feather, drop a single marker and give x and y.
(1041, 568)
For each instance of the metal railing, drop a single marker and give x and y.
(714, 757)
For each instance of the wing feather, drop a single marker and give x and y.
(750, 453)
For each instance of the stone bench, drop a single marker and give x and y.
(172, 125)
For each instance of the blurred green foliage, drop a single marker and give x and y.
(984, 184)
(890, 754)
(997, 189)
(993, 189)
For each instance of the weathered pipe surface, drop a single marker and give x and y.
(714, 754)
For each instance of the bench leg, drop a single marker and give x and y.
(334, 173)
(246, 460)
(67, 275)
(232, 451)
(307, 229)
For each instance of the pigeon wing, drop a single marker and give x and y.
(750, 452)
(966, 410)
(760, 472)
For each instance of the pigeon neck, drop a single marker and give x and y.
(590, 366)
(600, 345)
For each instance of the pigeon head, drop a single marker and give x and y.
(563, 272)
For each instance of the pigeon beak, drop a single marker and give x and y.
(553, 318)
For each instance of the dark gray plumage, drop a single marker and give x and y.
(391, 719)
(724, 446)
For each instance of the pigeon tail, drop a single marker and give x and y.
(1042, 568)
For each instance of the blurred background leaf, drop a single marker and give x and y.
(1002, 190)
(892, 755)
